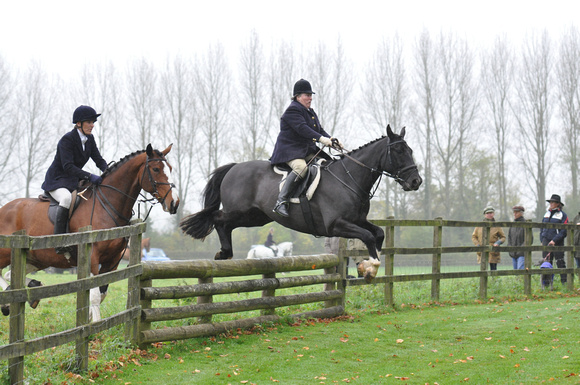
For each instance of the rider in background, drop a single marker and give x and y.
(300, 129)
(72, 152)
(270, 241)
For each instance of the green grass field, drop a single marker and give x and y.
(507, 339)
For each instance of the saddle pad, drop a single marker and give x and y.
(311, 188)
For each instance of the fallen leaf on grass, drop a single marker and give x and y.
(565, 357)
(400, 341)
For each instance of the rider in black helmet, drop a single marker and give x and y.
(300, 129)
(73, 151)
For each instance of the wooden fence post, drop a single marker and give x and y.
(205, 299)
(17, 310)
(83, 302)
(342, 270)
(485, 233)
(132, 327)
(268, 293)
(145, 304)
(528, 261)
(436, 260)
(570, 262)
(389, 262)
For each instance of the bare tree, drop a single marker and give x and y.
(35, 107)
(533, 112)
(497, 80)
(426, 89)
(255, 121)
(143, 103)
(180, 119)
(385, 99)
(281, 80)
(458, 101)
(213, 85)
(331, 74)
(8, 122)
(568, 73)
(100, 87)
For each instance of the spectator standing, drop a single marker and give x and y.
(555, 237)
(577, 240)
(516, 237)
(496, 238)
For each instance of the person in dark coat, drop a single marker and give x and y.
(300, 129)
(577, 240)
(516, 237)
(270, 239)
(73, 151)
(555, 237)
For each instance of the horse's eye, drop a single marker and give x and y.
(156, 169)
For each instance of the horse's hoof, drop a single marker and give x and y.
(5, 310)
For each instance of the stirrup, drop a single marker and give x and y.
(282, 209)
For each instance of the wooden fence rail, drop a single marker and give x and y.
(205, 308)
(437, 250)
(17, 297)
(140, 314)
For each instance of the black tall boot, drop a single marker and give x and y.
(60, 224)
(292, 182)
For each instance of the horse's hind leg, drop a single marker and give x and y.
(225, 236)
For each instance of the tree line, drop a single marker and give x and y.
(496, 125)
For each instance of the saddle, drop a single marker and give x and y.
(309, 183)
(46, 197)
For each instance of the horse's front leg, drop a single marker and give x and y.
(95, 293)
(5, 308)
(369, 236)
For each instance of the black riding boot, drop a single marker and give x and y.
(60, 223)
(292, 182)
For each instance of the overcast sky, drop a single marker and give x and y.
(64, 35)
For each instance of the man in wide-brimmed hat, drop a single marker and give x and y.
(555, 237)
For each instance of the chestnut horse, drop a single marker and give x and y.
(108, 205)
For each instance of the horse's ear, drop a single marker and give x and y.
(149, 150)
(402, 133)
(167, 149)
(389, 131)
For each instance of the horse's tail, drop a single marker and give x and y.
(201, 224)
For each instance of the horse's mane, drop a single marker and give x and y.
(113, 167)
(365, 145)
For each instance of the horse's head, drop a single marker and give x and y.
(156, 179)
(399, 161)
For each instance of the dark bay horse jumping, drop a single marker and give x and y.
(247, 192)
(108, 205)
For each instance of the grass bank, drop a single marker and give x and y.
(507, 339)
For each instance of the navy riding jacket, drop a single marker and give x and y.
(299, 132)
(556, 235)
(66, 168)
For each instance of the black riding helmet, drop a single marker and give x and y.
(302, 87)
(85, 113)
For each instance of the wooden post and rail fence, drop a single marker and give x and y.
(141, 292)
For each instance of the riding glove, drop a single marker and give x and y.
(95, 179)
(326, 141)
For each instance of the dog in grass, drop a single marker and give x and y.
(547, 279)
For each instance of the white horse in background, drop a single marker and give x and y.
(283, 249)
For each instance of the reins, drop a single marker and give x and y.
(396, 176)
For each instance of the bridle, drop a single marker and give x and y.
(396, 176)
(153, 182)
(113, 212)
